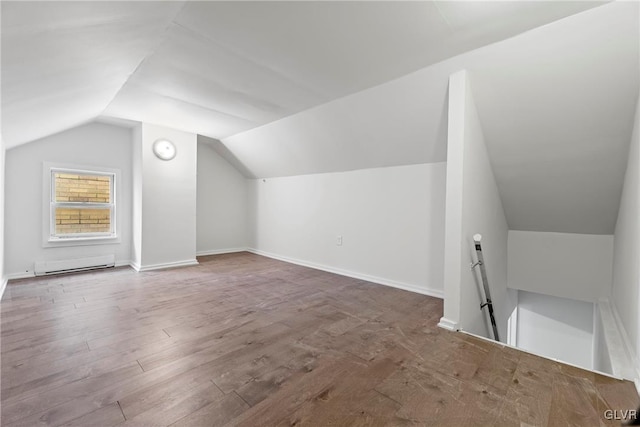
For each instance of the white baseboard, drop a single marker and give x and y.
(151, 267)
(220, 251)
(3, 286)
(448, 324)
(25, 275)
(624, 360)
(374, 279)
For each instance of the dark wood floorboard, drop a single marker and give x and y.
(244, 340)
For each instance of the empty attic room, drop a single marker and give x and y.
(319, 213)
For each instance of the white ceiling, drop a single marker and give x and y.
(307, 87)
(556, 104)
(219, 68)
(62, 63)
(557, 107)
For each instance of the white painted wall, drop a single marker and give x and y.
(390, 219)
(601, 356)
(625, 292)
(399, 122)
(559, 328)
(96, 144)
(473, 206)
(3, 281)
(453, 203)
(221, 204)
(567, 265)
(136, 191)
(168, 206)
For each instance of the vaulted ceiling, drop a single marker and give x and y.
(557, 107)
(287, 88)
(219, 68)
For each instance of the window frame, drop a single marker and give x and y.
(50, 237)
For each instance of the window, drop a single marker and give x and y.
(82, 205)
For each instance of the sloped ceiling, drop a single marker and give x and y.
(219, 68)
(558, 117)
(556, 104)
(308, 87)
(62, 63)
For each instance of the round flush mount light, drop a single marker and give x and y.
(164, 149)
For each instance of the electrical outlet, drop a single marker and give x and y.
(339, 241)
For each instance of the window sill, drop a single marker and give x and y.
(80, 241)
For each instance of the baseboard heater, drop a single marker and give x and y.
(44, 268)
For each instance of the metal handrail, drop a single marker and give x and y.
(485, 284)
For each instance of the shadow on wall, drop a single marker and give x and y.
(567, 311)
(226, 154)
(556, 327)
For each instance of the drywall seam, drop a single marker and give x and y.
(373, 279)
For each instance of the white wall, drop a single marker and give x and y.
(399, 122)
(221, 204)
(96, 144)
(136, 192)
(168, 206)
(625, 292)
(390, 219)
(3, 282)
(601, 357)
(567, 265)
(473, 206)
(555, 327)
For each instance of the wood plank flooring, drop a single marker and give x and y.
(245, 340)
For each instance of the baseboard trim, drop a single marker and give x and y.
(25, 275)
(373, 279)
(143, 268)
(221, 251)
(448, 324)
(3, 287)
(624, 360)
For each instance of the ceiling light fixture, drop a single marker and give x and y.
(164, 149)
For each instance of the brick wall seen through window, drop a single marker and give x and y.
(82, 204)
